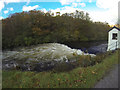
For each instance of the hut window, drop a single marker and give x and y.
(114, 37)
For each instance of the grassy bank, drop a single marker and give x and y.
(81, 77)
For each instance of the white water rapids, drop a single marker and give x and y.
(48, 51)
(40, 57)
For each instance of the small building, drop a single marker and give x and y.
(113, 38)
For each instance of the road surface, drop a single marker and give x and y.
(110, 80)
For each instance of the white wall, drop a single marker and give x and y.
(111, 42)
(119, 39)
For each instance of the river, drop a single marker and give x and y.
(45, 56)
(92, 47)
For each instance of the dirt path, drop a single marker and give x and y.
(110, 80)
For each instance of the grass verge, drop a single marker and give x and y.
(81, 77)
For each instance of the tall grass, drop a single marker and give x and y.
(81, 61)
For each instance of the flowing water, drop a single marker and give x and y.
(92, 47)
(45, 56)
(40, 56)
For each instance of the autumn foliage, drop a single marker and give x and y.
(35, 27)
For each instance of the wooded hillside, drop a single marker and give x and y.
(35, 27)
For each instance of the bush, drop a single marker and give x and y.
(81, 61)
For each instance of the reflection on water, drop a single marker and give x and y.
(90, 47)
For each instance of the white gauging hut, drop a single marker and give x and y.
(113, 38)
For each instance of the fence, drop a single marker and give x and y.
(114, 45)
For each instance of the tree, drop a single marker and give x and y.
(57, 13)
(87, 17)
(34, 27)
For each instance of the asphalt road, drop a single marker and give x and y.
(110, 80)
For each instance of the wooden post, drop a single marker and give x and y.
(101, 49)
(116, 44)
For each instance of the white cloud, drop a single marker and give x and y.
(65, 2)
(66, 9)
(2, 2)
(107, 3)
(90, 1)
(44, 10)
(74, 4)
(11, 9)
(1, 17)
(1, 5)
(9, 1)
(28, 1)
(78, 0)
(28, 8)
(6, 11)
(103, 16)
(78, 4)
(111, 13)
(82, 4)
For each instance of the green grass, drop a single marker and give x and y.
(81, 77)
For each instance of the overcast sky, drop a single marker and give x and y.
(99, 10)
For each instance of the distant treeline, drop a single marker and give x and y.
(35, 27)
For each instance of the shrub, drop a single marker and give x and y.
(81, 61)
